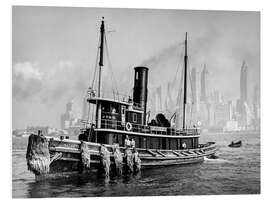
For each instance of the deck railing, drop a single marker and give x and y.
(115, 97)
(118, 125)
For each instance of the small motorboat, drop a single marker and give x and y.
(236, 144)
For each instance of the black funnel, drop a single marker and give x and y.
(140, 89)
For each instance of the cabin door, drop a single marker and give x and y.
(101, 138)
(163, 143)
(143, 142)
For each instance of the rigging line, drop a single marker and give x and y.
(89, 110)
(96, 64)
(178, 66)
(181, 82)
(95, 71)
(191, 114)
(180, 88)
(93, 114)
(178, 97)
(110, 66)
(93, 81)
(191, 88)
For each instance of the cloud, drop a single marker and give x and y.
(66, 80)
(27, 80)
(27, 71)
(61, 80)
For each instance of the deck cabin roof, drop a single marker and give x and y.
(93, 100)
(134, 107)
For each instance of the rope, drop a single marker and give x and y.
(180, 89)
(178, 102)
(110, 67)
(96, 65)
(92, 116)
(192, 93)
(178, 66)
(93, 81)
(175, 78)
(89, 110)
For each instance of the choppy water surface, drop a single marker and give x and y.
(237, 171)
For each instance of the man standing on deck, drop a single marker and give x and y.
(132, 143)
(127, 142)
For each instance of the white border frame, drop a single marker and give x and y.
(6, 96)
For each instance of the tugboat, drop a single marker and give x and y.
(119, 140)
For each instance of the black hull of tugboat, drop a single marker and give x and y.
(65, 156)
(67, 169)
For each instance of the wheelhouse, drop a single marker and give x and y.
(120, 118)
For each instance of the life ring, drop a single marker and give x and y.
(128, 126)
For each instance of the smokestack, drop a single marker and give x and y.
(140, 89)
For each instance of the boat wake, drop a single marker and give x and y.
(216, 160)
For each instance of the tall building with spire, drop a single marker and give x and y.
(68, 116)
(243, 82)
(242, 107)
(194, 87)
(206, 114)
(204, 84)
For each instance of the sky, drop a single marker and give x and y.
(54, 53)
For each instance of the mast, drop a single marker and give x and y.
(98, 109)
(185, 84)
(102, 30)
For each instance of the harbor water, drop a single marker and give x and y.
(236, 171)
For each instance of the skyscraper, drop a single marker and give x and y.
(68, 116)
(204, 84)
(256, 100)
(85, 109)
(69, 106)
(194, 88)
(159, 96)
(207, 113)
(169, 104)
(242, 106)
(243, 82)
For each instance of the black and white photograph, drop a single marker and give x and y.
(117, 102)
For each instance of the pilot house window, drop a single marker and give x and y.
(135, 118)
